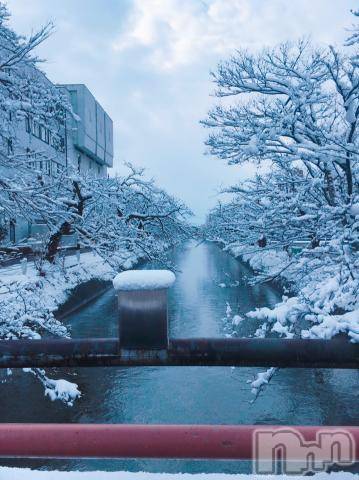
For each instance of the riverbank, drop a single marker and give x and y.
(32, 301)
(33, 305)
(320, 300)
(261, 260)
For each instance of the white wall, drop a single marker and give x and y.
(93, 133)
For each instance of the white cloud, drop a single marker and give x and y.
(177, 32)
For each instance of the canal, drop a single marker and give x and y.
(211, 288)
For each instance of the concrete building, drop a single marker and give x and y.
(84, 142)
(91, 138)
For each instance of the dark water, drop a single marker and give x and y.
(197, 307)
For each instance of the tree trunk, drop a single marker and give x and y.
(349, 175)
(54, 242)
(329, 188)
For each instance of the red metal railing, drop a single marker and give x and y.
(146, 441)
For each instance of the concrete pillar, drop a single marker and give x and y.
(142, 303)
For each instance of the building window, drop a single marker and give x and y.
(73, 97)
(39, 131)
(48, 167)
(61, 115)
(7, 71)
(36, 129)
(28, 122)
(58, 143)
(30, 157)
(42, 133)
(47, 136)
(28, 153)
(62, 145)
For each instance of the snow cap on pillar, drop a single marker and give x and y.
(132, 280)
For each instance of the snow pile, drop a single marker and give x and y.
(236, 320)
(259, 259)
(62, 390)
(144, 280)
(66, 392)
(315, 306)
(333, 324)
(27, 474)
(283, 312)
(261, 380)
(231, 322)
(28, 302)
(326, 300)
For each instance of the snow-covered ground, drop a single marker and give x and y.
(262, 259)
(26, 474)
(316, 297)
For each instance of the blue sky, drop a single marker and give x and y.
(148, 63)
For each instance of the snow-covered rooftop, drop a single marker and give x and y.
(143, 280)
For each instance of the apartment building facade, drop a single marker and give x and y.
(82, 141)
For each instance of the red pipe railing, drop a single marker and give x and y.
(151, 441)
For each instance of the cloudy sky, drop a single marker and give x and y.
(148, 63)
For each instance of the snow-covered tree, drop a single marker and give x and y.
(297, 118)
(28, 102)
(353, 39)
(115, 214)
(123, 219)
(25, 92)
